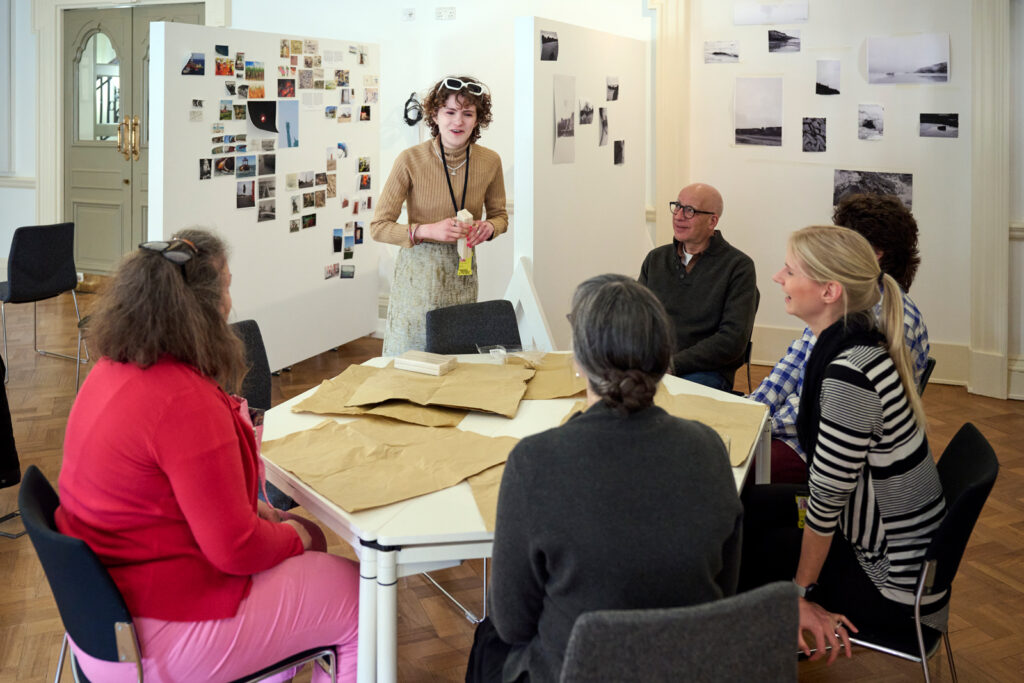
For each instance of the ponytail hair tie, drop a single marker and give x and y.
(881, 278)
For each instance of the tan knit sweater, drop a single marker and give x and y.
(417, 179)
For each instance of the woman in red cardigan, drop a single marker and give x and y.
(160, 478)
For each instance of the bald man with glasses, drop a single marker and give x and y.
(708, 288)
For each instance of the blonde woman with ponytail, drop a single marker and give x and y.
(874, 494)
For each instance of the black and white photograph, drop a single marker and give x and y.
(611, 88)
(586, 112)
(828, 77)
(296, 204)
(267, 144)
(320, 178)
(244, 197)
(814, 134)
(871, 182)
(783, 41)
(565, 119)
(267, 210)
(721, 51)
(940, 126)
(293, 225)
(267, 188)
(921, 58)
(870, 121)
(348, 272)
(308, 200)
(268, 164)
(306, 179)
(548, 46)
(749, 12)
(206, 167)
(758, 111)
(602, 116)
(291, 181)
(619, 152)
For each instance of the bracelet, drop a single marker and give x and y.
(412, 234)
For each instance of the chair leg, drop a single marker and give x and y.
(53, 354)
(949, 656)
(9, 516)
(60, 659)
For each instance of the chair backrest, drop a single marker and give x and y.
(460, 329)
(41, 263)
(967, 469)
(923, 382)
(89, 602)
(747, 637)
(256, 385)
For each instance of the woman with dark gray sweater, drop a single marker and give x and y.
(622, 507)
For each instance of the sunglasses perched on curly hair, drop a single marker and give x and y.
(178, 251)
(457, 84)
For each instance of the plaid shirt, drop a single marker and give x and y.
(780, 390)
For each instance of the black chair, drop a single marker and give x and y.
(923, 382)
(256, 385)
(90, 605)
(967, 469)
(464, 328)
(747, 637)
(41, 265)
(10, 468)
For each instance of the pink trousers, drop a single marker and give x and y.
(307, 601)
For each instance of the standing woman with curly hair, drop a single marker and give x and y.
(435, 180)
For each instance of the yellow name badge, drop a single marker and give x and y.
(801, 511)
(466, 265)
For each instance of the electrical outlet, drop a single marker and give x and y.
(444, 13)
(409, 14)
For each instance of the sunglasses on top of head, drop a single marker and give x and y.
(177, 250)
(457, 84)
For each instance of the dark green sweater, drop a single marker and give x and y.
(711, 308)
(609, 512)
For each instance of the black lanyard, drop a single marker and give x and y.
(447, 176)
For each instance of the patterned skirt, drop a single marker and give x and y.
(426, 277)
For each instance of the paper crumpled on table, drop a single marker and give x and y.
(371, 462)
(556, 375)
(738, 424)
(476, 386)
(485, 487)
(332, 395)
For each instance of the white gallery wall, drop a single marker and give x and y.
(17, 191)
(1016, 322)
(771, 191)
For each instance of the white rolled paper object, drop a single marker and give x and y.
(463, 216)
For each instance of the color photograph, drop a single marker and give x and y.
(244, 197)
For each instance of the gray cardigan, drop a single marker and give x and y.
(711, 308)
(609, 512)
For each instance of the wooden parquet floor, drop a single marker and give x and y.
(987, 622)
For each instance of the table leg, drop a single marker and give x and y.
(366, 665)
(387, 615)
(763, 462)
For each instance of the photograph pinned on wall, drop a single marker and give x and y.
(224, 166)
(240, 149)
(371, 80)
(338, 234)
(619, 153)
(750, 12)
(253, 71)
(348, 272)
(342, 150)
(783, 41)
(364, 165)
(282, 71)
(564, 91)
(240, 62)
(195, 65)
(329, 84)
(267, 188)
(288, 124)
(309, 221)
(370, 95)
(286, 87)
(870, 121)
(256, 92)
(245, 166)
(308, 200)
(267, 211)
(244, 197)
(239, 112)
(346, 96)
(332, 185)
(229, 86)
(313, 99)
(349, 252)
(310, 47)
(364, 204)
(331, 111)
(318, 75)
(268, 164)
(286, 48)
(219, 149)
(217, 128)
(611, 88)
(291, 181)
(332, 270)
(221, 50)
(921, 58)
(320, 199)
(721, 51)
(758, 111)
(345, 115)
(549, 46)
(306, 179)
(320, 178)
(846, 182)
(296, 201)
(355, 206)
(940, 126)
(814, 134)
(305, 79)
(262, 116)
(195, 115)
(296, 47)
(294, 62)
(357, 231)
(318, 61)
(333, 154)
(345, 201)
(364, 112)
(364, 181)
(293, 225)
(602, 117)
(242, 91)
(586, 113)
(205, 168)
(225, 110)
(267, 144)
(224, 66)
(828, 77)
(341, 78)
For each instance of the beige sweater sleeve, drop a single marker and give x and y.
(384, 227)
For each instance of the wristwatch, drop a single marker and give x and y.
(805, 592)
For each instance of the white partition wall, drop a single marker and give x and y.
(578, 212)
(285, 276)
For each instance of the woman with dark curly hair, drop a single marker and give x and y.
(435, 180)
(622, 474)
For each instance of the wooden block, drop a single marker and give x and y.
(426, 363)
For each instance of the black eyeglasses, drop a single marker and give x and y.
(457, 84)
(688, 211)
(178, 251)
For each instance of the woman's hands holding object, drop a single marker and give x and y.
(446, 230)
(826, 627)
(480, 231)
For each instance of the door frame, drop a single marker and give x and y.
(48, 22)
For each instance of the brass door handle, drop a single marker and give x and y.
(122, 140)
(134, 138)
